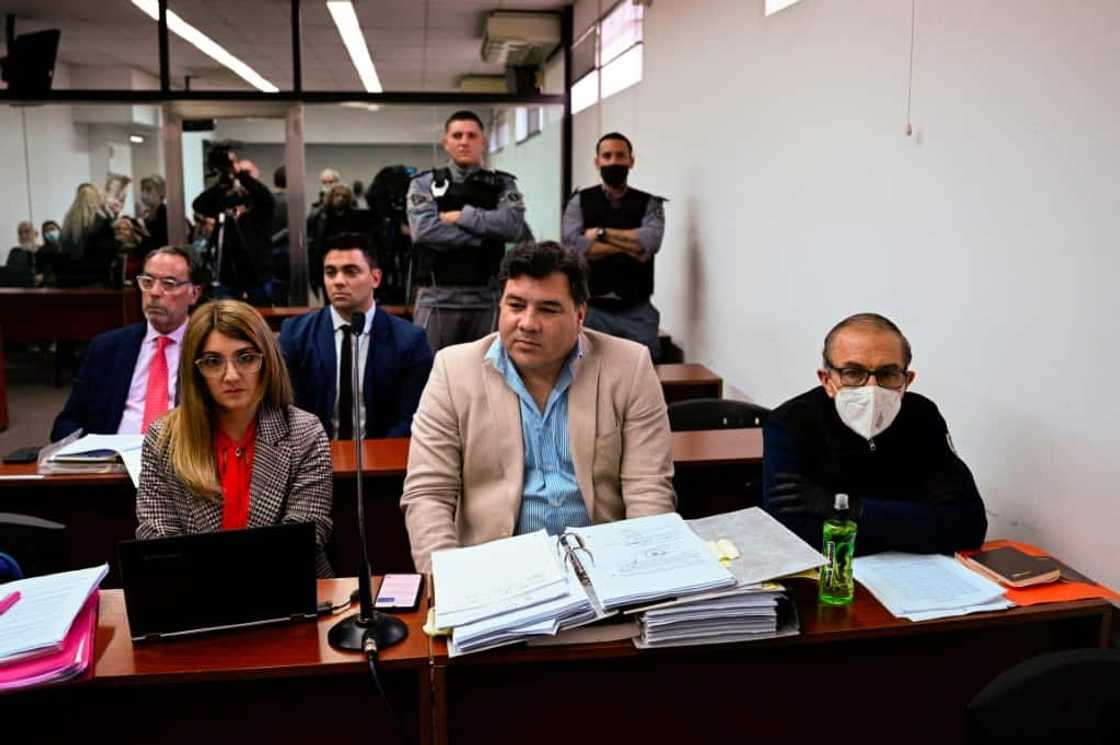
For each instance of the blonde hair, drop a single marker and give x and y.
(188, 429)
(79, 217)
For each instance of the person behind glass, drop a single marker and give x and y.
(394, 356)
(153, 194)
(243, 208)
(129, 375)
(49, 259)
(618, 229)
(235, 453)
(332, 218)
(460, 217)
(864, 433)
(87, 237)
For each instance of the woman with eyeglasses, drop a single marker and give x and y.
(235, 453)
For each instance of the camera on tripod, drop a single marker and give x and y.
(220, 165)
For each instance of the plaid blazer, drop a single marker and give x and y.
(291, 483)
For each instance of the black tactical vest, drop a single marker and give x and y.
(465, 266)
(617, 274)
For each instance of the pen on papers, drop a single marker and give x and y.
(9, 601)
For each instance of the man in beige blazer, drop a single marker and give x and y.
(542, 425)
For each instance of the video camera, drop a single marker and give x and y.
(220, 166)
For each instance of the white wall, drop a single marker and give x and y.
(535, 162)
(990, 236)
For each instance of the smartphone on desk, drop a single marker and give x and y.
(399, 592)
(23, 455)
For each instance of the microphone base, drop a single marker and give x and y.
(351, 632)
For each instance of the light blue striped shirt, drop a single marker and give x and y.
(550, 496)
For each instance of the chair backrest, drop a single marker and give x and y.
(715, 413)
(39, 546)
(1063, 697)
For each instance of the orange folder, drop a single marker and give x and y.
(1061, 591)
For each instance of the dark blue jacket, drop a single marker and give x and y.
(100, 390)
(396, 370)
(913, 492)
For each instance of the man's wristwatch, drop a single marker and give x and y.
(601, 234)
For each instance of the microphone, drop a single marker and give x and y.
(367, 628)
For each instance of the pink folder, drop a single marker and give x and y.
(70, 662)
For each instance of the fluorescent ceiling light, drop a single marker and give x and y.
(207, 46)
(342, 11)
(361, 105)
(136, 139)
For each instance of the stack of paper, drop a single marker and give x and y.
(755, 548)
(48, 634)
(96, 454)
(924, 587)
(737, 615)
(647, 559)
(505, 591)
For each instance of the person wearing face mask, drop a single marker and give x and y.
(863, 433)
(460, 217)
(618, 229)
(50, 257)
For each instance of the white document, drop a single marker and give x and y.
(925, 586)
(648, 558)
(128, 447)
(767, 549)
(39, 620)
(490, 579)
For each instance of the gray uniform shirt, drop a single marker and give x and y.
(506, 221)
(649, 232)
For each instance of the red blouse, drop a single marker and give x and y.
(235, 472)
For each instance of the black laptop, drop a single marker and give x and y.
(209, 581)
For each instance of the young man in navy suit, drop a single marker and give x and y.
(394, 355)
(129, 375)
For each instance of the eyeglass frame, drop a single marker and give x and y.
(888, 370)
(176, 284)
(218, 372)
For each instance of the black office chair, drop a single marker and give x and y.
(715, 413)
(1063, 697)
(38, 546)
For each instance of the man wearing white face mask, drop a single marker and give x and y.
(864, 434)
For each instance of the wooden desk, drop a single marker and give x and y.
(688, 380)
(882, 679)
(277, 315)
(100, 509)
(269, 684)
(57, 314)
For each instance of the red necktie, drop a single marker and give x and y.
(155, 398)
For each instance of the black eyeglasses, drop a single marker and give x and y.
(890, 376)
(169, 284)
(213, 365)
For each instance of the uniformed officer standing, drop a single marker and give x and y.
(460, 218)
(618, 229)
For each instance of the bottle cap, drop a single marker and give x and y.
(841, 502)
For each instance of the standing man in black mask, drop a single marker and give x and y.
(460, 217)
(618, 229)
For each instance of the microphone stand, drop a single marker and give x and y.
(367, 628)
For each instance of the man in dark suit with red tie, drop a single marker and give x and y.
(129, 375)
(394, 355)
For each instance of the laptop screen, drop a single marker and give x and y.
(208, 581)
